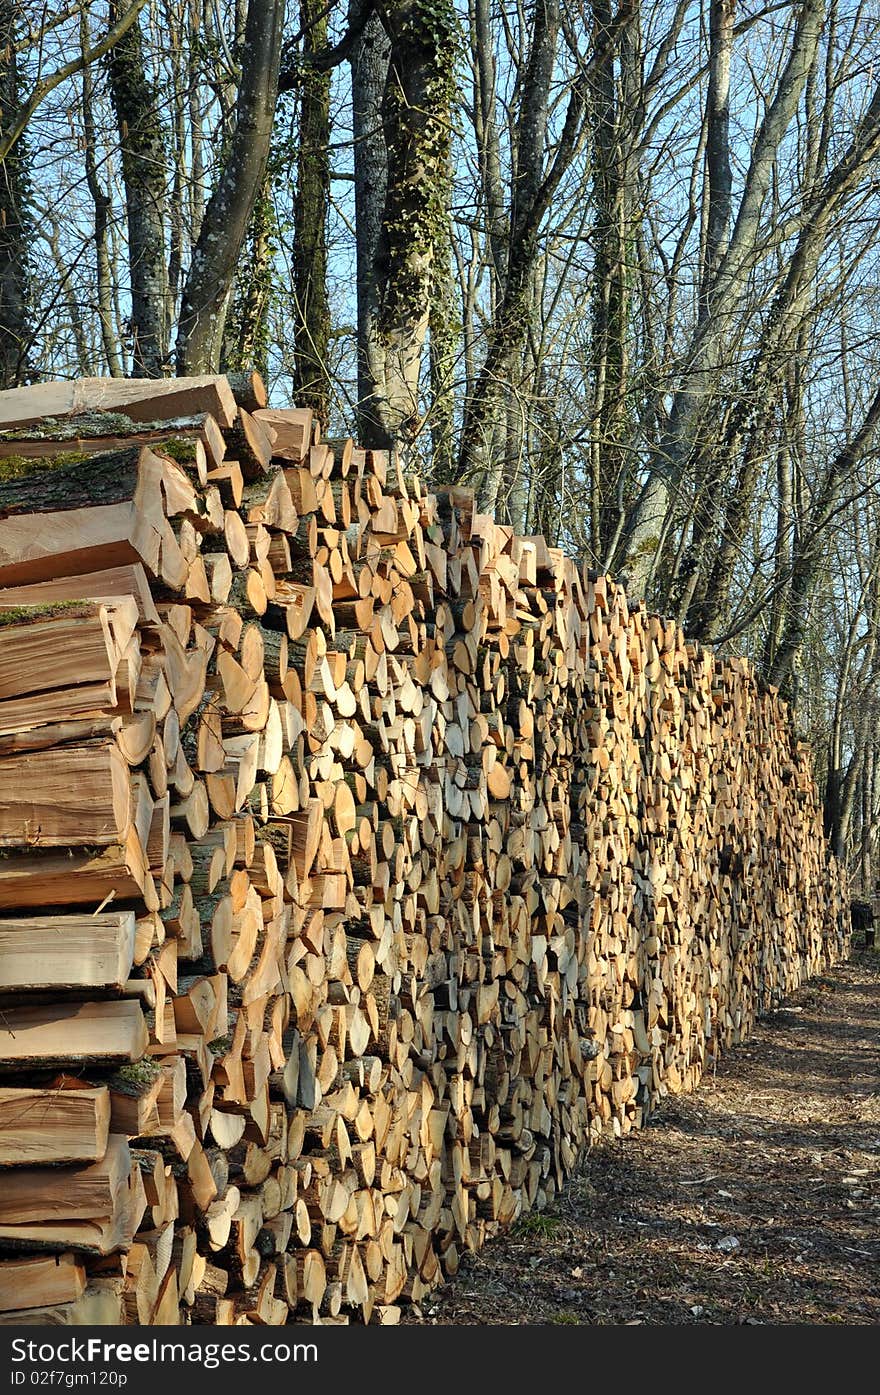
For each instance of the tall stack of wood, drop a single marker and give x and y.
(360, 862)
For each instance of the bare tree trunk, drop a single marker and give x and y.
(547, 487)
(839, 782)
(84, 360)
(443, 333)
(781, 553)
(692, 590)
(143, 142)
(869, 804)
(179, 102)
(15, 231)
(369, 72)
(614, 106)
(809, 559)
(718, 171)
(197, 170)
(102, 203)
(843, 786)
(485, 412)
(225, 222)
(864, 803)
(311, 380)
(246, 331)
(510, 507)
(489, 153)
(706, 606)
(416, 114)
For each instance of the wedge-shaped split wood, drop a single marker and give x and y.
(109, 511)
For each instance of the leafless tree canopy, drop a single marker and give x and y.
(616, 267)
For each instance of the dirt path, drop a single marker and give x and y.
(755, 1200)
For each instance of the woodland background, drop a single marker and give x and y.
(616, 268)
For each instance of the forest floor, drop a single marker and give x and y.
(754, 1200)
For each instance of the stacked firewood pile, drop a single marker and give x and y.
(360, 862)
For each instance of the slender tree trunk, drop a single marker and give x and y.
(834, 782)
(811, 553)
(443, 337)
(691, 589)
(102, 204)
(369, 72)
(488, 147)
(224, 226)
(869, 805)
(311, 380)
(178, 213)
(196, 118)
(863, 803)
(547, 489)
(781, 553)
(718, 171)
(852, 697)
(83, 363)
(509, 507)
(15, 226)
(143, 140)
(614, 103)
(246, 331)
(839, 817)
(481, 463)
